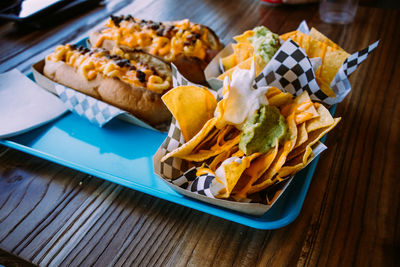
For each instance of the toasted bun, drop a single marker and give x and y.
(141, 102)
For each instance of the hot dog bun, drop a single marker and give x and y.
(114, 79)
(188, 45)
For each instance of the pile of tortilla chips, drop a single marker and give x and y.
(212, 144)
(315, 44)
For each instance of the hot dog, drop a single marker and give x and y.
(132, 81)
(188, 45)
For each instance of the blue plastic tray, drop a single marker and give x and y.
(122, 153)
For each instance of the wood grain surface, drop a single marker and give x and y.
(51, 215)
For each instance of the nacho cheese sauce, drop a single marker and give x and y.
(99, 61)
(165, 40)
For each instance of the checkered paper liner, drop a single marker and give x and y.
(181, 175)
(97, 112)
(290, 70)
(203, 184)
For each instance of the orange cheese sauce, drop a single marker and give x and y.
(166, 41)
(91, 63)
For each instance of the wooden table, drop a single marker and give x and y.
(53, 215)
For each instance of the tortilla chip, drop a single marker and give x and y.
(220, 144)
(324, 120)
(233, 171)
(302, 103)
(253, 173)
(229, 62)
(188, 147)
(243, 51)
(313, 137)
(245, 65)
(280, 99)
(331, 63)
(191, 106)
(272, 91)
(315, 34)
(288, 35)
(244, 38)
(223, 156)
(296, 164)
(302, 135)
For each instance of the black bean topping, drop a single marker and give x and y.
(122, 62)
(155, 26)
(160, 32)
(141, 76)
(115, 57)
(116, 19)
(132, 67)
(153, 69)
(72, 46)
(83, 50)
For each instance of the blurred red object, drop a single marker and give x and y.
(272, 1)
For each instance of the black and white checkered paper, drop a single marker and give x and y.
(97, 112)
(290, 70)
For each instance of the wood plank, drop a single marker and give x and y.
(52, 215)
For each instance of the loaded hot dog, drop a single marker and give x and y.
(188, 45)
(131, 81)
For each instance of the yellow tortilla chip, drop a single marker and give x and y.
(272, 91)
(332, 61)
(313, 137)
(257, 168)
(245, 65)
(315, 34)
(233, 171)
(302, 39)
(280, 99)
(191, 152)
(243, 51)
(302, 135)
(301, 104)
(191, 106)
(188, 147)
(229, 62)
(223, 156)
(296, 164)
(324, 120)
(244, 38)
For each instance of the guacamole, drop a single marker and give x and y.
(260, 131)
(265, 42)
